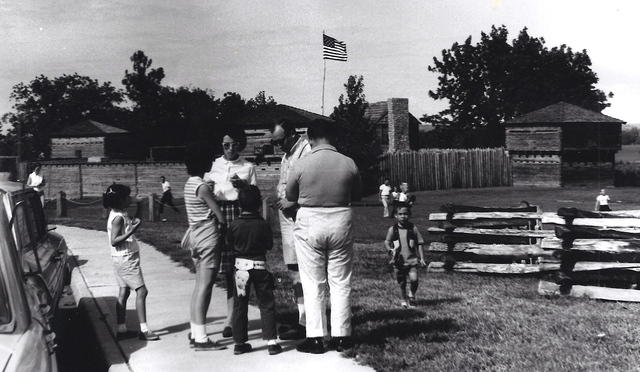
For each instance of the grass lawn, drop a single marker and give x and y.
(463, 321)
(628, 153)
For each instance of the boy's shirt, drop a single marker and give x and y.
(250, 237)
(408, 239)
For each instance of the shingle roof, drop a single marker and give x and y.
(378, 113)
(563, 112)
(89, 128)
(267, 116)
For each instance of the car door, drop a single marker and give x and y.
(43, 253)
(26, 341)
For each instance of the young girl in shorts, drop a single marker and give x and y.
(125, 256)
(203, 240)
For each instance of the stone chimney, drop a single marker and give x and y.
(398, 119)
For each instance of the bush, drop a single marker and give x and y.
(627, 174)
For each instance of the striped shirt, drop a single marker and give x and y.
(128, 246)
(197, 209)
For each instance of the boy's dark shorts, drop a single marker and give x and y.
(403, 271)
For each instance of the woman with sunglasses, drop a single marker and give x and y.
(229, 173)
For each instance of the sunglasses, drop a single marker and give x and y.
(228, 145)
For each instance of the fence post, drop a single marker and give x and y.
(61, 204)
(153, 210)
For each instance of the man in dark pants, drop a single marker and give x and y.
(167, 197)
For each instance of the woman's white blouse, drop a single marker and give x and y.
(221, 172)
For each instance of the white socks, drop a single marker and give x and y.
(143, 327)
(198, 332)
(122, 328)
(302, 319)
(272, 342)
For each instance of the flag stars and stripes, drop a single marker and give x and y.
(333, 49)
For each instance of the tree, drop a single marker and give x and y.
(261, 100)
(45, 106)
(629, 135)
(357, 137)
(494, 80)
(143, 83)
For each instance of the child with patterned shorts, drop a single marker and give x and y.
(404, 243)
(250, 237)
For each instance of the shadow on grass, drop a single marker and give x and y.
(433, 330)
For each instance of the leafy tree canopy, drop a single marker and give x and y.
(155, 114)
(495, 80)
(357, 137)
(44, 106)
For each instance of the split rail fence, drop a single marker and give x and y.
(588, 254)
(438, 169)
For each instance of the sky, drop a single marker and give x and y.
(276, 46)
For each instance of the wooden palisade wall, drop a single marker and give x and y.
(445, 169)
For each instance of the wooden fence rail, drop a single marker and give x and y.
(439, 169)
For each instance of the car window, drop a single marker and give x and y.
(26, 231)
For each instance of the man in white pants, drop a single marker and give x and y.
(324, 183)
(294, 146)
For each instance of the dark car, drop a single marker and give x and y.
(33, 272)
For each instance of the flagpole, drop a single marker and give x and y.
(324, 74)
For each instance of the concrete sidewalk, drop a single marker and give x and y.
(170, 287)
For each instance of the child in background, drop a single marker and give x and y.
(602, 202)
(126, 259)
(250, 237)
(404, 244)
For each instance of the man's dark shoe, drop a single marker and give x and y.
(242, 348)
(125, 335)
(296, 332)
(341, 344)
(207, 345)
(311, 345)
(275, 349)
(227, 332)
(148, 336)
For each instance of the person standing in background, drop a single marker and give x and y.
(602, 201)
(36, 180)
(385, 197)
(167, 197)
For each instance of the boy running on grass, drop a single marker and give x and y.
(404, 243)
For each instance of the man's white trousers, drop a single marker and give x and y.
(324, 248)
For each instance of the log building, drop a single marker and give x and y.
(563, 145)
(90, 139)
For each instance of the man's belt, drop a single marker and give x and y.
(246, 265)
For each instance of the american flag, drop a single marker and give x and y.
(333, 49)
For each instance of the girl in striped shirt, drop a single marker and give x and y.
(203, 239)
